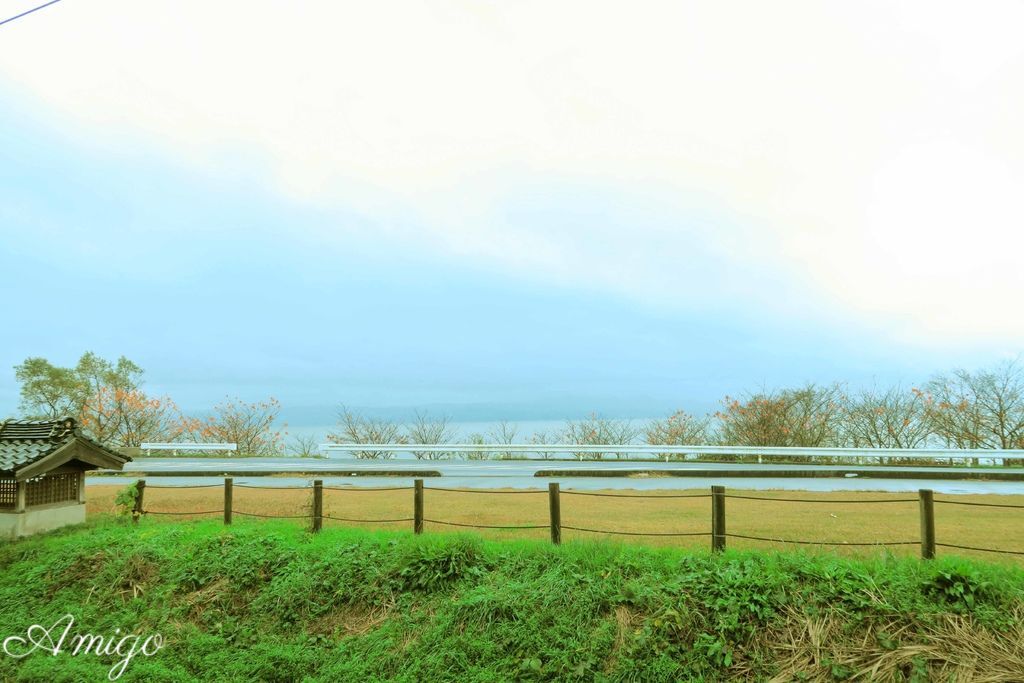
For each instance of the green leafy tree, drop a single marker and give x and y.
(97, 373)
(104, 396)
(49, 391)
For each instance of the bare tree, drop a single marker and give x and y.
(594, 430)
(503, 433)
(814, 415)
(886, 418)
(758, 420)
(541, 439)
(304, 446)
(477, 439)
(983, 409)
(249, 425)
(426, 430)
(678, 429)
(139, 418)
(354, 428)
(808, 416)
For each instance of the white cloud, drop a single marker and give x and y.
(852, 159)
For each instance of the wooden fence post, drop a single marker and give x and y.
(318, 504)
(927, 505)
(140, 487)
(555, 506)
(717, 518)
(417, 506)
(229, 491)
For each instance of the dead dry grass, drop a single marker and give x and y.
(821, 522)
(350, 620)
(954, 648)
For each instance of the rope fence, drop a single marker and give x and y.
(439, 488)
(986, 505)
(717, 533)
(274, 488)
(983, 550)
(368, 521)
(635, 533)
(634, 495)
(256, 514)
(166, 512)
(488, 526)
(191, 486)
(360, 489)
(828, 543)
(806, 500)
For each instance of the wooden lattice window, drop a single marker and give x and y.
(52, 488)
(8, 493)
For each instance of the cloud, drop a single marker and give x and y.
(850, 162)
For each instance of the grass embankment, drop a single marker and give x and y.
(827, 521)
(270, 602)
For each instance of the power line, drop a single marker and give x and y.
(35, 9)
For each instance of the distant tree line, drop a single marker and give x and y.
(958, 409)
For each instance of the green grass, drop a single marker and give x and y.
(270, 602)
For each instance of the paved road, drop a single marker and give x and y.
(519, 474)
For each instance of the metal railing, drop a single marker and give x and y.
(186, 446)
(647, 449)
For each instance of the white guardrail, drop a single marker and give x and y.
(188, 447)
(794, 451)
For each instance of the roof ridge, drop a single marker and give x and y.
(27, 421)
(37, 430)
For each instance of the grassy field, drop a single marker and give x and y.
(270, 602)
(827, 521)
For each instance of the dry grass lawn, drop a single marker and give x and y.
(820, 521)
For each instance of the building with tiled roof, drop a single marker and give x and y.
(42, 474)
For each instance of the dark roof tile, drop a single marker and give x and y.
(23, 442)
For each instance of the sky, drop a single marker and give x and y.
(525, 210)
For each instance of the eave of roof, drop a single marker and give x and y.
(29, 448)
(79, 449)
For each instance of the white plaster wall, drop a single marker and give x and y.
(34, 521)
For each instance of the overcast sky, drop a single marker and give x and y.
(523, 208)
